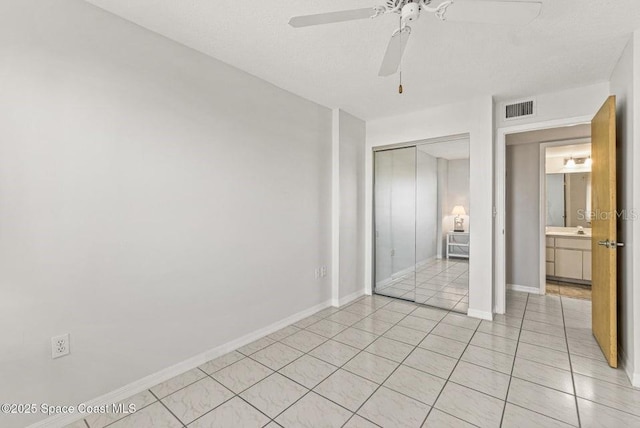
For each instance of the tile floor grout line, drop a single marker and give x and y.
(447, 284)
(168, 409)
(379, 385)
(338, 368)
(232, 397)
(442, 320)
(449, 377)
(515, 356)
(400, 364)
(309, 390)
(446, 312)
(252, 406)
(126, 416)
(573, 381)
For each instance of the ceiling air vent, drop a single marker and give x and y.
(520, 109)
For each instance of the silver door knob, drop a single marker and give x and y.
(610, 244)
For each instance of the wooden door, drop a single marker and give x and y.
(604, 241)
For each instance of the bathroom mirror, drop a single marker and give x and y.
(568, 185)
(569, 199)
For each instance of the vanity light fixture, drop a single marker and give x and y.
(588, 162)
(570, 163)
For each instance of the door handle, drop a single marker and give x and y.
(610, 244)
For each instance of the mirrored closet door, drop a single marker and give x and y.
(421, 219)
(395, 223)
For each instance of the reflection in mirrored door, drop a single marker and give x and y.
(443, 217)
(395, 222)
(422, 215)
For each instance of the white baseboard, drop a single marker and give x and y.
(347, 299)
(523, 288)
(61, 420)
(628, 368)
(480, 314)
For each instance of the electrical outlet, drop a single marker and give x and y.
(323, 271)
(317, 273)
(60, 346)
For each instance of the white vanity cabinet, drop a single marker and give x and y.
(569, 258)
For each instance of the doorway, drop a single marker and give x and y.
(421, 223)
(603, 244)
(567, 203)
(548, 205)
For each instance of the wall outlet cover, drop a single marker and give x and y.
(60, 346)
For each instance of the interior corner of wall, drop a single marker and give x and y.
(627, 364)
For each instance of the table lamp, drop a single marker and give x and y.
(458, 223)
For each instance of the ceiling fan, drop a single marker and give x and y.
(481, 11)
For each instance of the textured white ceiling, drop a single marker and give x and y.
(572, 43)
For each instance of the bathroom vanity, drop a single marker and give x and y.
(568, 254)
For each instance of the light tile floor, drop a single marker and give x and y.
(443, 283)
(383, 362)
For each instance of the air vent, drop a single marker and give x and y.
(520, 109)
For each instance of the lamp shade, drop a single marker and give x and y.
(458, 210)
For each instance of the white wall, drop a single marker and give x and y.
(555, 109)
(426, 207)
(575, 102)
(156, 203)
(523, 215)
(457, 193)
(476, 118)
(625, 84)
(444, 225)
(351, 209)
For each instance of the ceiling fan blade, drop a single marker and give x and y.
(394, 53)
(331, 17)
(493, 12)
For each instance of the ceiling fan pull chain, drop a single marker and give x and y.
(400, 35)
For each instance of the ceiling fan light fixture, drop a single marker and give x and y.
(410, 12)
(479, 11)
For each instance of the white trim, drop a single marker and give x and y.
(524, 288)
(350, 298)
(61, 420)
(542, 222)
(627, 366)
(500, 190)
(335, 207)
(480, 314)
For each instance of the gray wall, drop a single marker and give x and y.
(443, 177)
(577, 186)
(352, 140)
(555, 200)
(426, 207)
(453, 189)
(458, 185)
(523, 215)
(156, 203)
